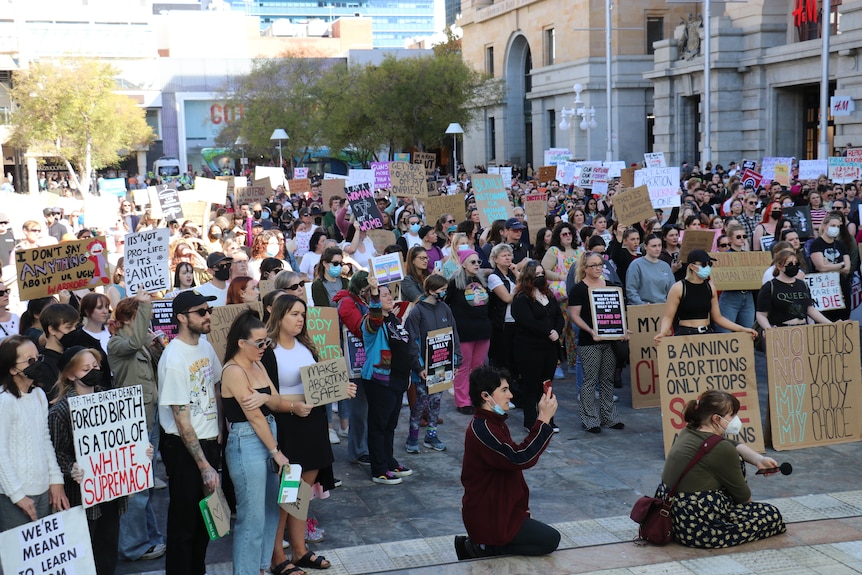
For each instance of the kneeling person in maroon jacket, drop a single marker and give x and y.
(496, 503)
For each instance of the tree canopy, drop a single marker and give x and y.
(70, 109)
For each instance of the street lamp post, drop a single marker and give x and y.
(240, 143)
(278, 135)
(587, 115)
(455, 129)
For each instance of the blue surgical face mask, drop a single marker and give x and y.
(704, 271)
(441, 295)
(335, 270)
(272, 251)
(415, 228)
(495, 408)
(463, 247)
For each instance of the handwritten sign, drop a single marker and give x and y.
(844, 170)
(257, 193)
(815, 386)
(169, 202)
(72, 265)
(663, 184)
(813, 169)
(354, 351)
(555, 156)
(440, 360)
(696, 240)
(198, 212)
(689, 365)
(427, 161)
(381, 239)
(767, 166)
(300, 186)
(614, 168)
(608, 308)
(325, 381)
(381, 175)
(300, 173)
(322, 326)
(216, 513)
(407, 179)
(213, 190)
(364, 208)
(782, 174)
(274, 174)
(654, 160)
(162, 320)
(536, 208)
(222, 318)
(567, 172)
(148, 266)
(58, 543)
(299, 508)
(633, 205)
(739, 270)
(826, 290)
(491, 199)
(627, 178)
(437, 206)
(546, 173)
(230, 181)
(387, 268)
(110, 434)
(645, 321)
(332, 187)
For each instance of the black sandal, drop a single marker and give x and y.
(282, 569)
(318, 563)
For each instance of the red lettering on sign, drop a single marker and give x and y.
(805, 11)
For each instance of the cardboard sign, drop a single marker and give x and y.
(491, 199)
(800, 217)
(633, 205)
(645, 321)
(364, 208)
(654, 160)
(265, 286)
(663, 184)
(299, 173)
(381, 175)
(440, 360)
(148, 266)
(354, 351)
(387, 268)
(696, 240)
(330, 188)
(627, 178)
(111, 439)
(826, 290)
(325, 381)
(58, 543)
(322, 326)
(300, 186)
(407, 179)
(162, 320)
(609, 312)
(258, 193)
(815, 386)
(213, 190)
(222, 318)
(299, 508)
(536, 208)
(689, 365)
(72, 265)
(381, 239)
(216, 514)
(274, 174)
(428, 161)
(739, 270)
(546, 173)
(813, 169)
(781, 174)
(169, 202)
(436, 206)
(291, 478)
(198, 212)
(231, 182)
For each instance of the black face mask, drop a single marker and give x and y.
(92, 378)
(540, 282)
(790, 269)
(257, 214)
(222, 274)
(775, 214)
(32, 371)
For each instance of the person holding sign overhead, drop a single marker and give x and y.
(713, 508)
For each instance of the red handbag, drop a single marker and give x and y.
(653, 514)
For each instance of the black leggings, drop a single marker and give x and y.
(534, 538)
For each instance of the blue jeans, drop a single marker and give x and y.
(738, 307)
(357, 438)
(256, 498)
(138, 528)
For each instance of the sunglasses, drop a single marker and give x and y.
(262, 344)
(37, 230)
(741, 237)
(472, 262)
(29, 360)
(4, 223)
(5, 292)
(300, 285)
(201, 312)
(724, 245)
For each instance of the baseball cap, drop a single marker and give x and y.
(189, 299)
(215, 259)
(700, 256)
(514, 224)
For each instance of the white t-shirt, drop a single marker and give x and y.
(10, 328)
(308, 263)
(187, 376)
(209, 289)
(494, 281)
(289, 363)
(360, 257)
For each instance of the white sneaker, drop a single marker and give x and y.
(333, 437)
(451, 391)
(344, 432)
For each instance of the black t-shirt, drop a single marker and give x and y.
(833, 253)
(783, 302)
(580, 295)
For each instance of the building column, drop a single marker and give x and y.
(142, 163)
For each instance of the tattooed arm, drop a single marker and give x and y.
(182, 416)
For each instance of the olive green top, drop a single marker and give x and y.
(718, 470)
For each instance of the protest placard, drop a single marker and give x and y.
(216, 513)
(749, 164)
(440, 360)
(609, 312)
(546, 173)
(691, 364)
(322, 326)
(654, 160)
(436, 206)
(257, 193)
(614, 168)
(231, 182)
(854, 155)
(739, 270)
(381, 239)
(381, 175)
(663, 184)
(633, 205)
(363, 207)
(169, 202)
(387, 268)
(356, 177)
(72, 265)
(751, 178)
(325, 381)
(300, 173)
(555, 156)
(265, 286)
(141, 197)
(781, 174)
(627, 178)
(491, 199)
(198, 212)
(767, 166)
(813, 169)
(844, 170)
(407, 179)
(163, 320)
(536, 208)
(826, 290)
(332, 187)
(274, 174)
(291, 478)
(696, 240)
(215, 191)
(148, 266)
(110, 434)
(815, 386)
(354, 351)
(58, 543)
(644, 321)
(299, 508)
(153, 201)
(426, 160)
(567, 172)
(299, 186)
(221, 319)
(800, 217)
(112, 186)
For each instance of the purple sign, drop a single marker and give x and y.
(381, 175)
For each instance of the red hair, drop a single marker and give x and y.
(235, 288)
(768, 211)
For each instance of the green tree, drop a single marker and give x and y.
(70, 109)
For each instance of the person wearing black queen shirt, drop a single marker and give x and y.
(829, 254)
(786, 300)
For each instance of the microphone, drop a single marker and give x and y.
(785, 469)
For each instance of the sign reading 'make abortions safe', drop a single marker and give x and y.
(73, 265)
(692, 364)
(815, 385)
